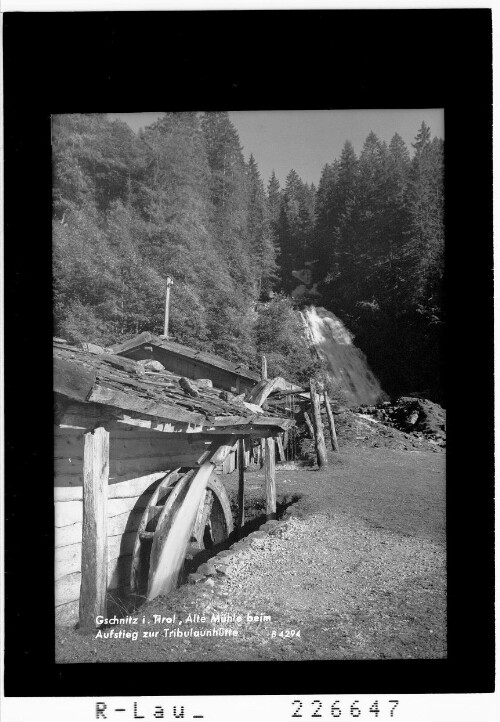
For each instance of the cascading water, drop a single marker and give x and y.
(345, 363)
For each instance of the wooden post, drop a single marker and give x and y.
(263, 373)
(262, 452)
(270, 477)
(309, 424)
(241, 483)
(333, 433)
(167, 306)
(281, 450)
(318, 427)
(94, 529)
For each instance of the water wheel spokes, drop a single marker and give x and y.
(145, 532)
(212, 525)
(214, 522)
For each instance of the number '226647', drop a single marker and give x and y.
(354, 710)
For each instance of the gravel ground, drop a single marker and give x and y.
(357, 566)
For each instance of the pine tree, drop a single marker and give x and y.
(178, 212)
(274, 198)
(259, 230)
(426, 206)
(229, 193)
(344, 283)
(296, 227)
(327, 216)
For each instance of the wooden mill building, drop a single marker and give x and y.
(185, 361)
(123, 436)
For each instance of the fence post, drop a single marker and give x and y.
(318, 427)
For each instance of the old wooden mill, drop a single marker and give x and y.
(137, 427)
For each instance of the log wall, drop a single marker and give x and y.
(139, 458)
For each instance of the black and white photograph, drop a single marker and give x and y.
(249, 362)
(250, 429)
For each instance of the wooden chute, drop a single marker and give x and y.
(266, 387)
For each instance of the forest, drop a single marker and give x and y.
(180, 199)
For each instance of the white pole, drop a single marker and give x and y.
(167, 306)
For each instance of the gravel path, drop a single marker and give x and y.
(334, 580)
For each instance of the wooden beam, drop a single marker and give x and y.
(331, 422)
(261, 391)
(143, 337)
(270, 478)
(281, 450)
(124, 364)
(73, 380)
(241, 483)
(252, 420)
(263, 372)
(309, 425)
(318, 427)
(163, 426)
(88, 416)
(217, 450)
(94, 529)
(147, 407)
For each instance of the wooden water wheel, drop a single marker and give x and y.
(213, 523)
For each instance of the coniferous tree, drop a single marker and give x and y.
(327, 217)
(178, 199)
(274, 198)
(259, 231)
(343, 279)
(296, 227)
(178, 240)
(426, 207)
(229, 190)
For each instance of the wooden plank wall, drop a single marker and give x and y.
(194, 369)
(138, 459)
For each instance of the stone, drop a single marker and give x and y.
(151, 365)
(206, 570)
(195, 578)
(257, 535)
(92, 348)
(240, 546)
(204, 383)
(269, 524)
(275, 531)
(188, 387)
(209, 583)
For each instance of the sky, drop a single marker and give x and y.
(307, 139)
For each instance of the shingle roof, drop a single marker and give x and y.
(187, 352)
(105, 378)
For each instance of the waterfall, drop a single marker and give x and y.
(345, 363)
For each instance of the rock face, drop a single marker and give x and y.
(408, 424)
(411, 414)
